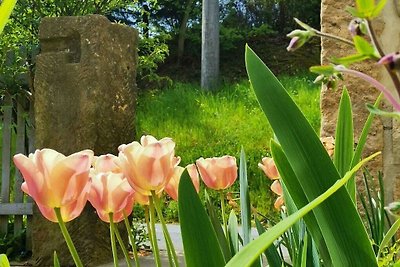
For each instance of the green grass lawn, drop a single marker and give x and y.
(207, 124)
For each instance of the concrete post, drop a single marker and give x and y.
(84, 98)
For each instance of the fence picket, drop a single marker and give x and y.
(6, 160)
(20, 148)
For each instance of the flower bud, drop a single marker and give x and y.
(392, 60)
(299, 38)
(357, 27)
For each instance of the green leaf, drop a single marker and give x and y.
(245, 210)
(364, 134)
(378, 8)
(392, 231)
(56, 262)
(198, 235)
(291, 191)
(337, 217)
(325, 70)
(304, 251)
(4, 261)
(363, 47)
(344, 141)
(5, 11)
(354, 12)
(233, 232)
(349, 59)
(377, 111)
(304, 25)
(248, 254)
(365, 5)
(271, 253)
(223, 243)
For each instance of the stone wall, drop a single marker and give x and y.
(84, 98)
(384, 134)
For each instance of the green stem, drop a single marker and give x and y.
(122, 245)
(112, 237)
(147, 219)
(132, 240)
(68, 239)
(153, 235)
(170, 245)
(331, 36)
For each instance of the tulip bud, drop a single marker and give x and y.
(269, 168)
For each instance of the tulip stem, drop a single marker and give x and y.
(153, 235)
(170, 245)
(122, 245)
(67, 238)
(112, 237)
(132, 240)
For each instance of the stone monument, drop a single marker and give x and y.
(385, 133)
(84, 98)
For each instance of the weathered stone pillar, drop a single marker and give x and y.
(385, 133)
(84, 98)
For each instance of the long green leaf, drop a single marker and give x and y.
(365, 5)
(223, 243)
(244, 199)
(4, 261)
(250, 253)
(5, 11)
(344, 141)
(292, 185)
(199, 239)
(233, 233)
(271, 253)
(392, 231)
(337, 217)
(56, 262)
(364, 134)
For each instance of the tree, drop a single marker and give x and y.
(210, 45)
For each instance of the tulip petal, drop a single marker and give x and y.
(68, 174)
(34, 180)
(48, 213)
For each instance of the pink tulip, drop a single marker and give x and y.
(56, 181)
(106, 163)
(277, 189)
(111, 193)
(150, 165)
(218, 173)
(141, 199)
(172, 187)
(269, 168)
(194, 175)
